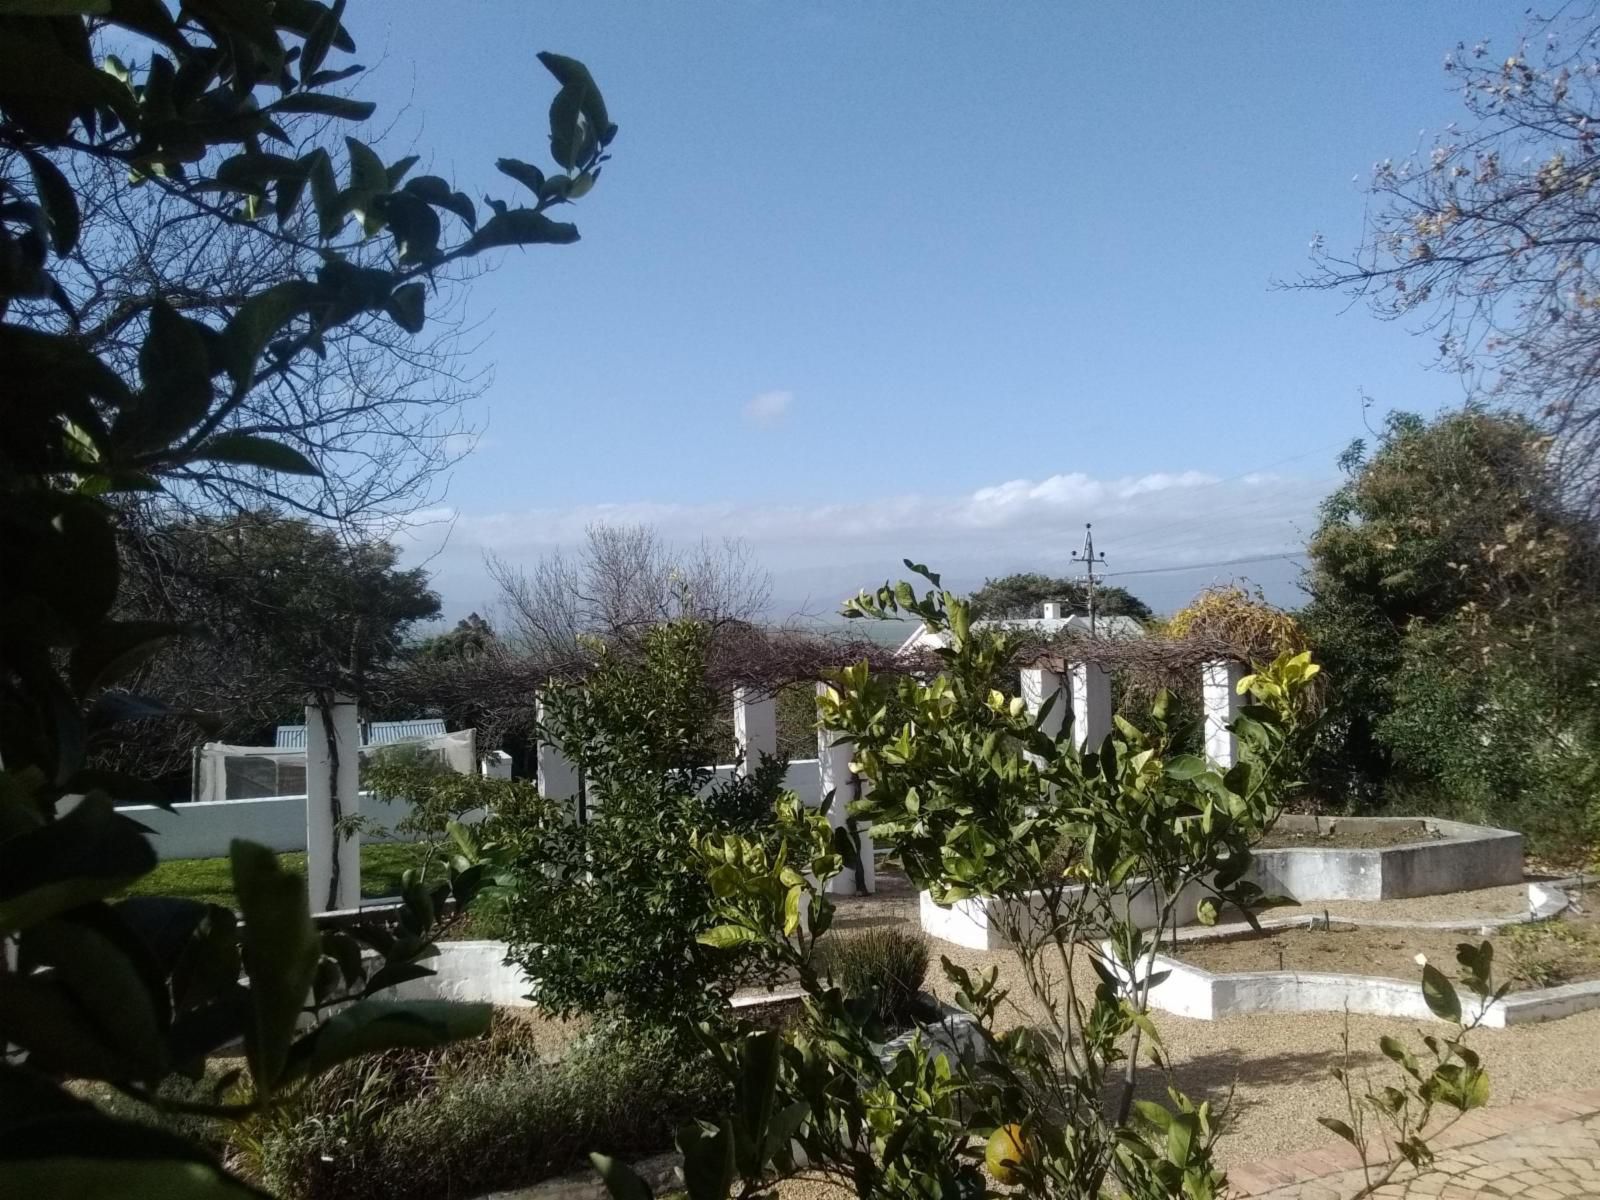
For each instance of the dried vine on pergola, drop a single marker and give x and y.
(496, 689)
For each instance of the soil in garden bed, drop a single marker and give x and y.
(1543, 954)
(1336, 835)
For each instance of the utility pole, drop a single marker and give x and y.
(1088, 558)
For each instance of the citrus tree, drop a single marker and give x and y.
(1090, 857)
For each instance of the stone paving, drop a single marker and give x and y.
(1546, 1149)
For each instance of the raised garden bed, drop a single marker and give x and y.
(1306, 964)
(981, 924)
(1340, 833)
(1382, 858)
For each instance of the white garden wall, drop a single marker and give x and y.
(204, 829)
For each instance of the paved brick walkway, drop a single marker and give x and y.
(1545, 1149)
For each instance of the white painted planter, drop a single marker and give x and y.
(1190, 991)
(980, 924)
(1465, 858)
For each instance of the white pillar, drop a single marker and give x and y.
(329, 786)
(496, 765)
(1038, 685)
(1219, 691)
(755, 728)
(833, 764)
(1090, 684)
(558, 775)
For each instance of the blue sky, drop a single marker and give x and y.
(867, 281)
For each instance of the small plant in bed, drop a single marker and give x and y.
(480, 1115)
(887, 967)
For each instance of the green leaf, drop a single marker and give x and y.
(113, 648)
(370, 1026)
(707, 1160)
(320, 40)
(406, 307)
(1180, 1138)
(324, 105)
(79, 1156)
(251, 451)
(574, 77)
(104, 987)
(619, 1178)
(258, 321)
(251, 172)
(1185, 766)
(726, 937)
(524, 173)
(325, 195)
(91, 852)
(1394, 1049)
(1154, 1113)
(1339, 1127)
(1440, 995)
(436, 192)
(57, 198)
(281, 949)
(54, 8)
(369, 179)
(521, 227)
(175, 364)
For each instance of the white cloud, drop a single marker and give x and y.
(768, 408)
(818, 553)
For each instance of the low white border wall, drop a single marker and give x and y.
(469, 972)
(1190, 991)
(1464, 858)
(204, 828)
(979, 924)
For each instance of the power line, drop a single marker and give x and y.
(1226, 562)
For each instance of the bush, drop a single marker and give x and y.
(889, 965)
(480, 1115)
(605, 917)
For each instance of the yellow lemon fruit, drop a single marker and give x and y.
(1004, 1152)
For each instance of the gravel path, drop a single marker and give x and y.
(1278, 1065)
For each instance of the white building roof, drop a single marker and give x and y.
(1104, 627)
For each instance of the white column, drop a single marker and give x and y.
(1219, 691)
(1090, 684)
(1038, 685)
(833, 764)
(558, 775)
(495, 765)
(330, 786)
(755, 728)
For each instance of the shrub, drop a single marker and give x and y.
(605, 916)
(480, 1115)
(888, 965)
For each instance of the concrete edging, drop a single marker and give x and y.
(1190, 991)
(979, 923)
(1463, 859)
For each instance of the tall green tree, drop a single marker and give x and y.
(1456, 604)
(188, 99)
(271, 607)
(1020, 595)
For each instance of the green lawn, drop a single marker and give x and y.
(382, 864)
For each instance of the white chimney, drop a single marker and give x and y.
(1053, 610)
